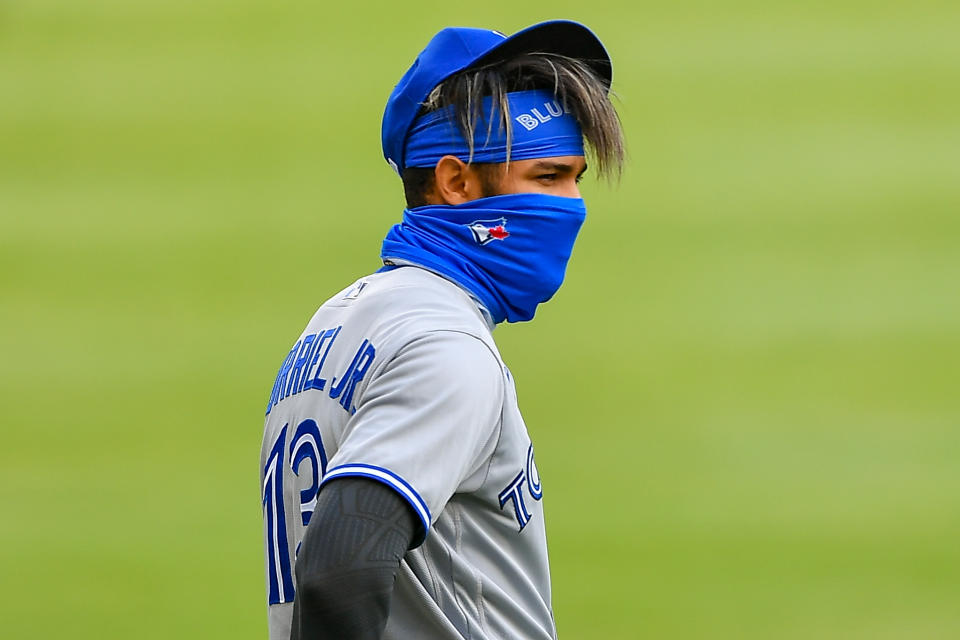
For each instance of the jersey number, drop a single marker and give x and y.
(304, 445)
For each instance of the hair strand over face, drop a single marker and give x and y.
(574, 84)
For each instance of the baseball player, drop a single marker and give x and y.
(401, 497)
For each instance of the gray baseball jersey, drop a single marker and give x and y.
(397, 378)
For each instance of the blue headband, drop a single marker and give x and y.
(541, 128)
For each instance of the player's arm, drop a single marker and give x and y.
(348, 560)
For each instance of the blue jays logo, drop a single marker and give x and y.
(486, 231)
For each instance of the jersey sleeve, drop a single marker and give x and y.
(427, 421)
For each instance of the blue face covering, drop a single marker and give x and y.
(509, 251)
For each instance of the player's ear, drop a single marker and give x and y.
(455, 182)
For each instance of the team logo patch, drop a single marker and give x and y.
(486, 231)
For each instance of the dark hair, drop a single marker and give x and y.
(572, 81)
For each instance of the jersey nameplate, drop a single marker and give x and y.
(302, 369)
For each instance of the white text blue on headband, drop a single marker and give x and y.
(540, 125)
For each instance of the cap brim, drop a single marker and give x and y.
(562, 37)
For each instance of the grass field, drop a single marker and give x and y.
(745, 398)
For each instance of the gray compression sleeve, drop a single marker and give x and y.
(348, 560)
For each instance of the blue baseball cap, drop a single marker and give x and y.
(458, 48)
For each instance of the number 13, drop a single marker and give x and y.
(305, 444)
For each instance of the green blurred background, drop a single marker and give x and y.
(745, 398)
